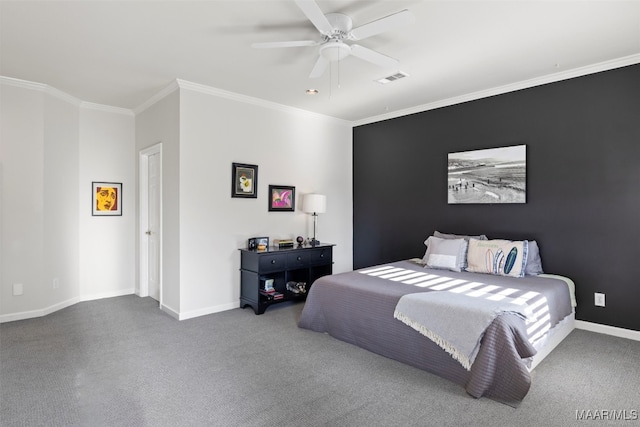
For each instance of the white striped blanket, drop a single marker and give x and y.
(457, 314)
(456, 322)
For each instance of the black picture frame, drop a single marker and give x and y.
(106, 199)
(282, 198)
(244, 180)
(487, 176)
(262, 243)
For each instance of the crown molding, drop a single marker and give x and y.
(525, 84)
(41, 87)
(196, 87)
(106, 108)
(56, 93)
(170, 88)
(24, 84)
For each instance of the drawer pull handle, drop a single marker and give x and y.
(321, 255)
(299, 258)
(273, 261)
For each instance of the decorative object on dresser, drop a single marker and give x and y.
(286, 271)
(314, 204)
(282, 198)
(258, 243)
(244, 180)
(283, 243)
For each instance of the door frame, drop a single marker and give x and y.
(143, 212)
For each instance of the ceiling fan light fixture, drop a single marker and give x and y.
(335, 51)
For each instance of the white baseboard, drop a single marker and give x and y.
(31, 314)
(111, 294)
(208, 310)
(12, 317)
(608, 330)
(170, 311)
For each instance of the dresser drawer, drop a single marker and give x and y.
(275, 262)
(320, 256)
(299, 259)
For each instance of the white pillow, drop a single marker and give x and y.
(499, 257)
(450, 236)
(448, 254)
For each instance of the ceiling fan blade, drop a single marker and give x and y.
(268, 45)
(318, 69)
(399, 19)
(311, 9)
(373, 57)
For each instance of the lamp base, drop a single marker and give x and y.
(314, 242)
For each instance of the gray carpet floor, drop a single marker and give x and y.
(123, 362)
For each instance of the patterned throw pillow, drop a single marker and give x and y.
(499, 257)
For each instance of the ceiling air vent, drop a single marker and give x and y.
(392, 78)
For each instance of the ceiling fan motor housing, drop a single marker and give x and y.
(342, 25)
(333, 48)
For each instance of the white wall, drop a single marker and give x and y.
(22, 188)
(107, 247)
(52, 148)
(290, 147)
(39, 162)
(160, 123)
(60, 198)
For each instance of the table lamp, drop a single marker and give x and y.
(314, 204)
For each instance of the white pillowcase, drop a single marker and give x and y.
(499, 257)
(448, 254)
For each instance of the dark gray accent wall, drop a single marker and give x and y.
(583, 183)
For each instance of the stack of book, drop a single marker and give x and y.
(281, 243)
(271, 294)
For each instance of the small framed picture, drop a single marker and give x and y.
(282, 198)
(106, 198)
(262, 243)
(244, 180)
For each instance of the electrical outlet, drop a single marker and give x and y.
(18, 289)
(56, 283)
(598, 299)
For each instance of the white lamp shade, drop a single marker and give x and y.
(314, 203)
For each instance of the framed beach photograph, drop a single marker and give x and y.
(494, 175)
(244, 180)
(106, 198)
(282, 198)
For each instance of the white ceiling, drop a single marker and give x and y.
(121, 53)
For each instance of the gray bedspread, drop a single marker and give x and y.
(358, 308)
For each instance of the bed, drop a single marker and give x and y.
(361, 308)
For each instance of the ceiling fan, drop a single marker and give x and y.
(335, 29)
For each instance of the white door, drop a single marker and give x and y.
(153, 224)
(150, 222)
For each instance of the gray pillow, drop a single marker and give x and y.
(450, 236)
(458, 236)
(534, 263)
(448, 254)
